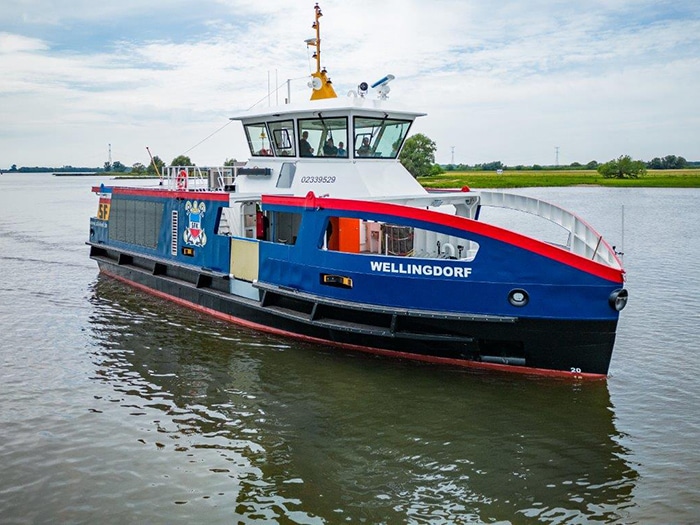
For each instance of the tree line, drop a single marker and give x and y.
(155, 166)
(137, 168)
(669, 162)
(418, 157)
(48, 169)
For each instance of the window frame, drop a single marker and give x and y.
(276, 129)
(376, 133)
(257, 152)
(324, 131)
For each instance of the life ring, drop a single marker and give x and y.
(182, 180)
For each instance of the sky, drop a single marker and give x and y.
(521, 82)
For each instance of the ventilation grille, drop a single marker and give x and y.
(173, 234)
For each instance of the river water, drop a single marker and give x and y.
(119, 407)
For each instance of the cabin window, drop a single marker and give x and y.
(283, 227)
(258, 140)
(248, 220)
(351, 235)
(283, 137)
(323, 137)
(379, 137)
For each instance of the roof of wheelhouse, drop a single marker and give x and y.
(355, 105)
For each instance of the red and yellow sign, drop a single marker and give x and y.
(103, 208)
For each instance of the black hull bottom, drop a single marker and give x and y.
(536, 346)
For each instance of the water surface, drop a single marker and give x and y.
(119, 407)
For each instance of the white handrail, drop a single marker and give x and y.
(199, 178)
(583, 239)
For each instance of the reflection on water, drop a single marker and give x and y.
(277, 430)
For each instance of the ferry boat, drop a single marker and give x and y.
(323, 235)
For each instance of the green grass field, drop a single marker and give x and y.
(522, 179)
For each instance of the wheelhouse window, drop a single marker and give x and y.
(258, 140)
(283, 137)
(379, 138)
(323, 137)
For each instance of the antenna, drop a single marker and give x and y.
(556, 155)
(621, 253)
(110, 155)
(320, 83)
(317, 41)
(453, 155)
(155, 166)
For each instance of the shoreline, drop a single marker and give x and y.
(687, 178)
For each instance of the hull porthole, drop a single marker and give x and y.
(518, 297)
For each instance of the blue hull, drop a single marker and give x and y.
(514, 303)
(540, 346)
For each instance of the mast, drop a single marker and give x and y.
(320, 83)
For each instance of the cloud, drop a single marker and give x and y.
(10, 43)
(505, 82)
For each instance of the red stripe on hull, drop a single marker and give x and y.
(462, 223)
(168, 194)
(369, 350)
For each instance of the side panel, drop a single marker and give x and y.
(554, 290)
(244, 259)
(177, 226)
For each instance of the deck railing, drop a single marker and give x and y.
(199, 178)
(583, 239)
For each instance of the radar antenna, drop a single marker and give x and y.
(382, 86)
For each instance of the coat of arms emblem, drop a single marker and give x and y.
(194, 233)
